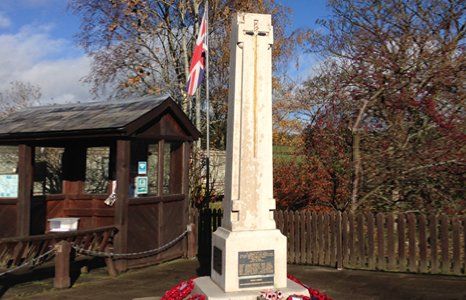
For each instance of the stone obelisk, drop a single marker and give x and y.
(248, 252)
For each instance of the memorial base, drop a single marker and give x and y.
(248, 260)
(205, 286)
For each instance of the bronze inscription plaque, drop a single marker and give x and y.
(256, 268)
(217, 260)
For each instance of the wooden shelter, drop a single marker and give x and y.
(149, 130)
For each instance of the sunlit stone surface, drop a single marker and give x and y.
(249, 253)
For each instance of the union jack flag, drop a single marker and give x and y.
(197, 69)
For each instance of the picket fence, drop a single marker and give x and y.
(401, 242)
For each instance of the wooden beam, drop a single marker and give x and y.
(160, 168)
(123, 149)
(25, 172)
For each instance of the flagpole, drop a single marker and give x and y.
(207, 105)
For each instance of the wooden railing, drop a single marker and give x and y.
(18, 251)
(401, 242)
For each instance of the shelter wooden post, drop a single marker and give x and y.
(191, 241)
(185, 172)
(161, 149)
(25, 172)
(185, 191)
(74, 169)
(160, 171)
(121, 204)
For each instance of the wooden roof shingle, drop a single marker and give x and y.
(83, 117)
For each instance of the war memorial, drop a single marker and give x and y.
(249, 252)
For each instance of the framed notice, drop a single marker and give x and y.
(9, 186)
(142, 167)
(142, 185)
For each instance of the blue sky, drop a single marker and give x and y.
(37, 45)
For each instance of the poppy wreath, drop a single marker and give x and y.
(184, 289)
(181, 291)
(315, 294)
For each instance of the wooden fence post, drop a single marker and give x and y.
(351, 243)
(333, 240)
(344, 239)
(314, 239)
(401, 225)
(111, 269)
(326, 239)
(464, 245)
(391, 241)
(361, 257)
(370, 240)
(320, 237)
(380, 220)
(433, 244)
(303, 236)
(62, 265)
(309, 237)
(412, 242)
(422, 226)
(444, 224)
(192, 247)
(456, 246)
(291, 237)
(338, 236)
(297, 239)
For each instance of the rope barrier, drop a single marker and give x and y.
(28, 262)
(102, 254)
(128, 255)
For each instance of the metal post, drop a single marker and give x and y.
(207, 106)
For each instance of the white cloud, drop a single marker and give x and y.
(32, 55)
(60, 80)
(4, 20)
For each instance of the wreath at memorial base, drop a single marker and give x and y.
(183, 290)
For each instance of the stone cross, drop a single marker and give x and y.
(249, 202)
(248, 252)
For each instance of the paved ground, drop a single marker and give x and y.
(153, 281)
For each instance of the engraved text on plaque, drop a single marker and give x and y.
(256, 268)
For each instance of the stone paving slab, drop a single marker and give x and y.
(153, 281)
(137, 283)
(357, 284)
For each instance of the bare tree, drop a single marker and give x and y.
(144, 47)
(398, 85)
(18, 95)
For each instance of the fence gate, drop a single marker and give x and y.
(208, 220)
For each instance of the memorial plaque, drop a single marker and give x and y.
(256, 268)
(217, 260)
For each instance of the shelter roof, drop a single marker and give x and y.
(90, 117)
